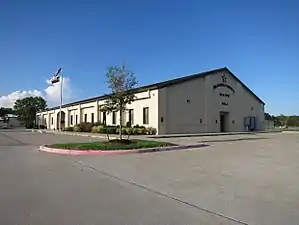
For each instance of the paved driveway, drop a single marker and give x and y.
(254, 181)
(235, 180)
(39, 188)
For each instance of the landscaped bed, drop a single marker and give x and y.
(115, 144)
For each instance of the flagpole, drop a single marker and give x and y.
(60, 117)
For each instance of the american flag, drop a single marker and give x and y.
(56, 76)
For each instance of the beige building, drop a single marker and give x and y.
(212, 101)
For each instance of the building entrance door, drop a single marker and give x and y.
(223, 121)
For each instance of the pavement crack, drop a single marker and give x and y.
(157, 192)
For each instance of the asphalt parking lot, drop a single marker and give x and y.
(234, 180)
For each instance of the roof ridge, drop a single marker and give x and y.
(163, 84)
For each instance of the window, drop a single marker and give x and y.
(85, 117)
(131, 116)
(104, 117)
(71, 119)
(145, 115)
(114, 117)
(76, 119)
(92, 117)
(52, 120)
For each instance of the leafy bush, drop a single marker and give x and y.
(128, 124)
(42, 127)
(129, 130)
(85, 127)
(139, 130)
(98, 124)
(99, 129)
(77, 128)
(95, 129)
(136, 130)
(138, 126)
(29, 125)
(111, 129)
(103, 129)
(151, 131)
(69, 129)
(124, 130)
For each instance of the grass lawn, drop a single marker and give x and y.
(112, 145)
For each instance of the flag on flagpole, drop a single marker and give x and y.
(56, 76)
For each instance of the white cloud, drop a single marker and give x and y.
(51, 94)
(9, 100)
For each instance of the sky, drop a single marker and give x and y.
(158, 40)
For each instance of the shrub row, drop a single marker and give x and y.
(99, 128)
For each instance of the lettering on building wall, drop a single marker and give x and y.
(224, 78)
(224, 95)
(224, 84)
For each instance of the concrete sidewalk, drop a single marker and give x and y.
(211, 134)
(97, 135)
(180, 140)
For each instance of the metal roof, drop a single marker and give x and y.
(166, 84)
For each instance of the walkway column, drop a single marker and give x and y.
(80, 116)
(48, 121)
(67, 116)
(96, 107)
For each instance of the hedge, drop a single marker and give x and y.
(96, 128)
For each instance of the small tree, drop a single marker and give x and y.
(121, 81)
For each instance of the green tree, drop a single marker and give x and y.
(292, 121)
(281, 119)
(121, 81)
(5, 111)
(27, 108)
(268, 116)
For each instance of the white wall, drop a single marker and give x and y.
(241, 104)
(182, 107)
(202, 112)
(143, 99)
(189, 107)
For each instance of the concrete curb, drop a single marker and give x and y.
(117, 152)
(211, 134)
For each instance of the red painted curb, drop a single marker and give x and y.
(115, 152)
(85, 152)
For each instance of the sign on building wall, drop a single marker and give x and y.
(224, 84)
